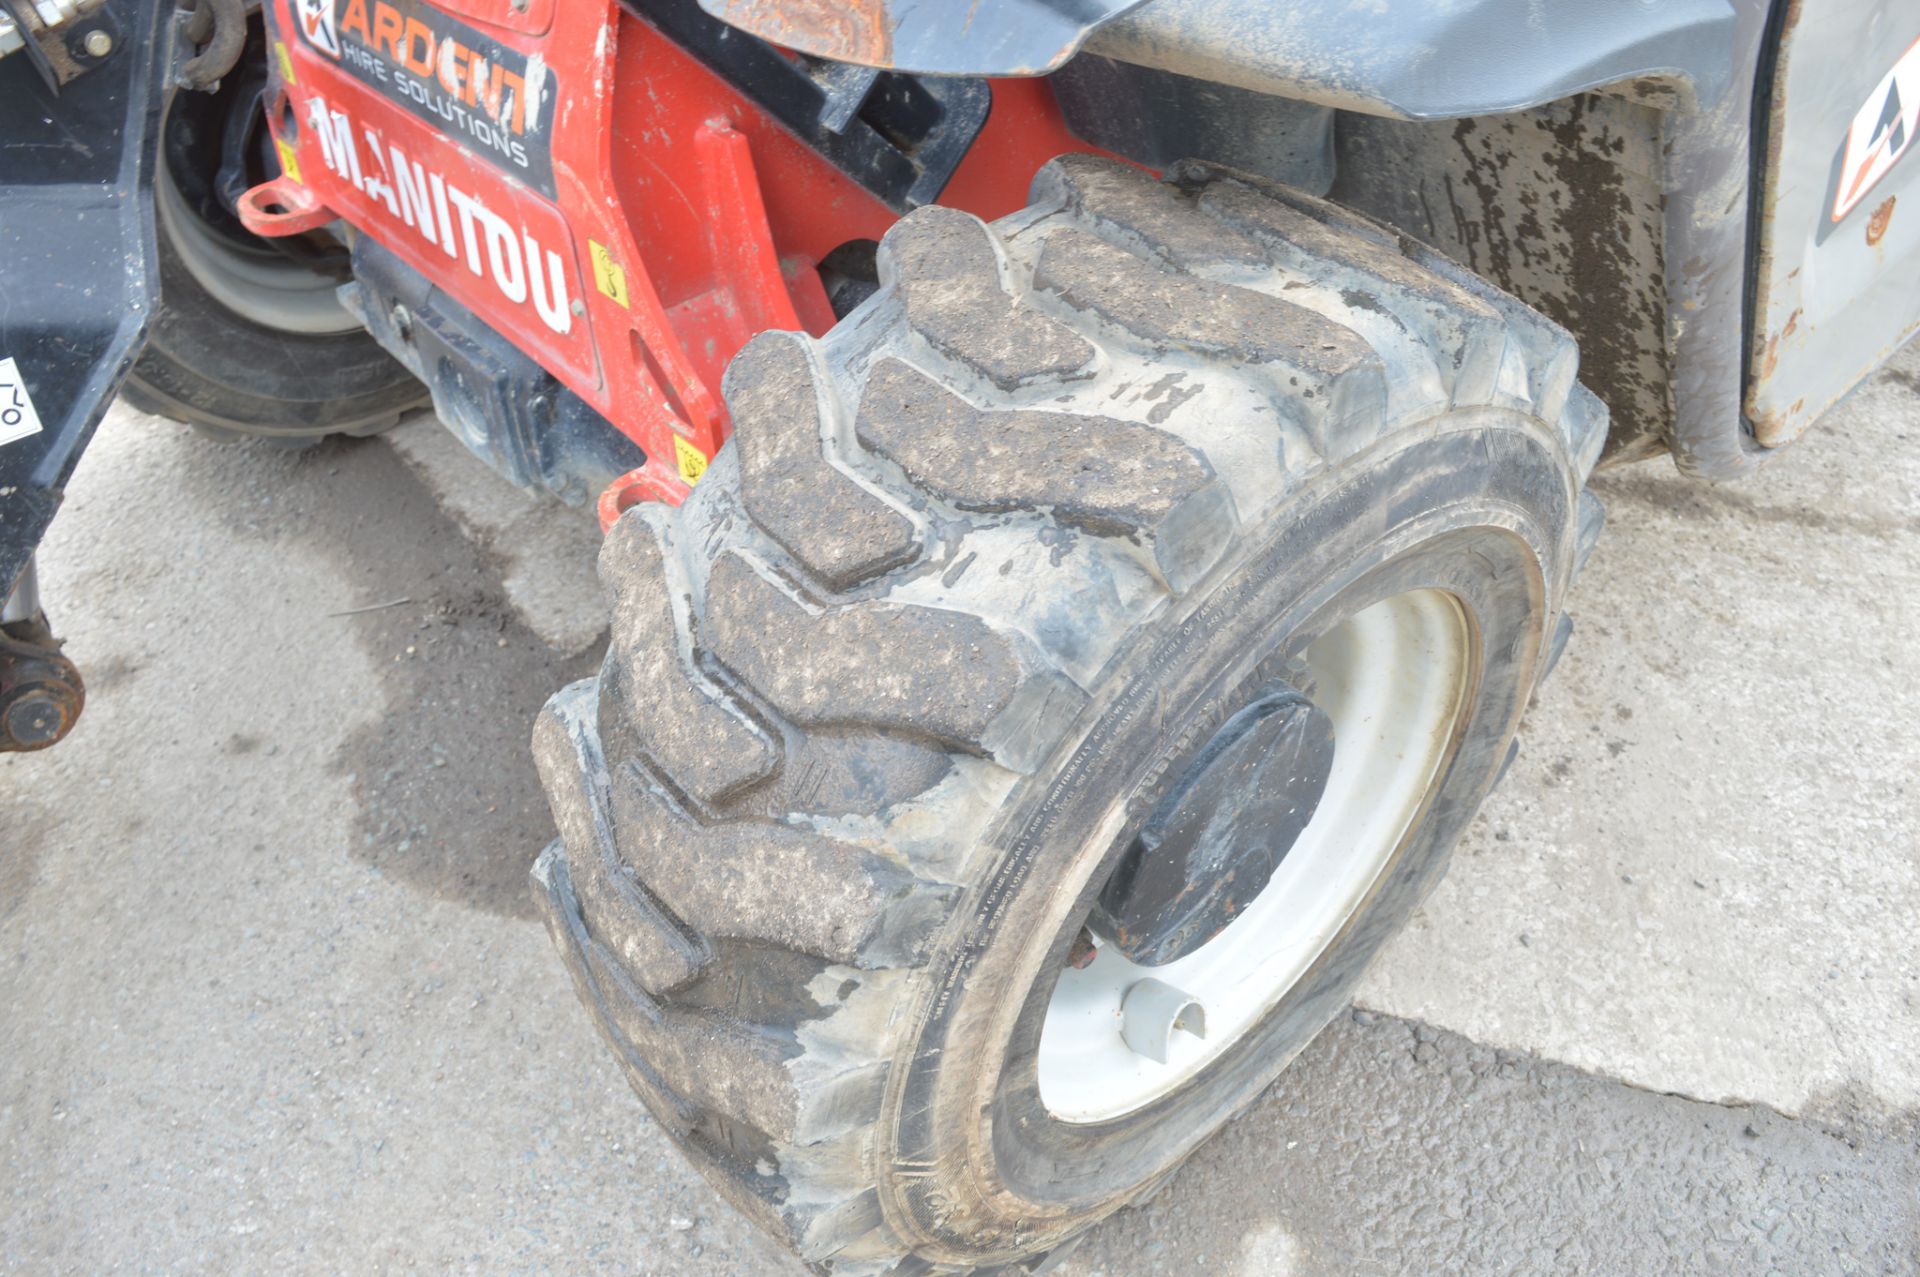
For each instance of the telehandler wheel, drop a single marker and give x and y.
(250, 339)
(1073, 671)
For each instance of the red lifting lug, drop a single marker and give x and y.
(283, 206)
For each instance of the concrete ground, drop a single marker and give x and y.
(275, 1001)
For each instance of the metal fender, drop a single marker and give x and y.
(1417, 59)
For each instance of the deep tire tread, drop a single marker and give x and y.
(832, 586)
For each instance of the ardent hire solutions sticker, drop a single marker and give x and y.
(18, 420)
(468, 86)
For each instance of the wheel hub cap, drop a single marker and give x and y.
(1216, 837)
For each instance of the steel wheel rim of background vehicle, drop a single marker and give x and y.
(250, 338)
(1391, 678)
(271, 290)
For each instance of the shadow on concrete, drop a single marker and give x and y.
(449, 801)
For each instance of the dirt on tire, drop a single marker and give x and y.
(938, 543)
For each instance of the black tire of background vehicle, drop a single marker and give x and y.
(805, 882)
(233, 378)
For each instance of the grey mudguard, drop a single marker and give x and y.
(1430, 59)
(1415, 58)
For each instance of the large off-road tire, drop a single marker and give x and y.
(249, 338)
(979, 576)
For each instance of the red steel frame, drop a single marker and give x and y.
(683, 221)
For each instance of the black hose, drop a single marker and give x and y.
(222, 53)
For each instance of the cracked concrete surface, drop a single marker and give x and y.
(274, 1000)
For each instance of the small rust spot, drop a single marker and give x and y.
(1081, 956)
(1877, 224)
(1772, 429)
(1771, 359)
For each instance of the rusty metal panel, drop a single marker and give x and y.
(982, 37)
(1839, 276)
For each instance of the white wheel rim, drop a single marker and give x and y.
(1392, 678)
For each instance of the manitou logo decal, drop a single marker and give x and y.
(1881, 133)
(473, 88)
(458, 223)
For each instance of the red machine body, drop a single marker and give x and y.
(590, 190)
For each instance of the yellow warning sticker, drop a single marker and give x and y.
(613, 282)
(286, 61)
(693, 462)
(289, 162)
